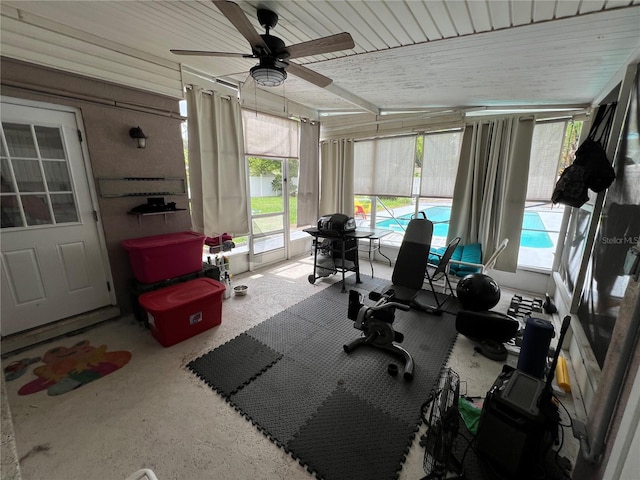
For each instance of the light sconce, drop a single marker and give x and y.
(138, 134)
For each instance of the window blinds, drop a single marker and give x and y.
(384, 166)
(546, 148)
(269, 136)
(441, 155)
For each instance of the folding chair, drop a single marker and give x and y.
(435, 273)
(490, 263)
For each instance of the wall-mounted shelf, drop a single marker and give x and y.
(146, 214)
(113, 187)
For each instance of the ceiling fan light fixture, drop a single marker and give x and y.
(268, 75)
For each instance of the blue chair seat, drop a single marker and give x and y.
(471, 253)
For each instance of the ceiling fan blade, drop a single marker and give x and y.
(332, 43)
(206, 53)
(309, 75)
(239, 20)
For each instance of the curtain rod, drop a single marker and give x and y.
(90, 99)
(208, 92)
(400, 135)
(489, 118)
(439, 131)
(382, 137)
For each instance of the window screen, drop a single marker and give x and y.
(440, 159)
(269, 136)
(546, 147)
(384, 166)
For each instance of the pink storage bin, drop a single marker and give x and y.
(181, 311)
(161, 257)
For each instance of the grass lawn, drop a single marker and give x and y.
(389, 202)
(261, 205)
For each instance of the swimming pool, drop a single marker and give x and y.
(533, 234)
(438, 215)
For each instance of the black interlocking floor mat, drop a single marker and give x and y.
(232, 365)
(339, 414)
(346, 438)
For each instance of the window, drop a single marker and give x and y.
(36, 183)
(439, 167)
(424, 169)
(384, 166)
(552, 149)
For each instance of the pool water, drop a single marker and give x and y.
(533, 234)
(438, 215)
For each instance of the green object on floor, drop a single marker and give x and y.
(470, 414)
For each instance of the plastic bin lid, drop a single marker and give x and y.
(163, 240)
(182, 293)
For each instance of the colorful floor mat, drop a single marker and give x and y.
(67, 368)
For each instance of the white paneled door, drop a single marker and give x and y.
(53, 262)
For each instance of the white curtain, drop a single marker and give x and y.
(491, 185)
(309, 176)
(217, 169)
(384, 166)
(336, 174)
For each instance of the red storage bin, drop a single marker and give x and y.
(161, 257)
(181, 311)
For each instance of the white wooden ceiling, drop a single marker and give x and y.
(408, 55)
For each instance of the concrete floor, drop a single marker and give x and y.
(154, 413)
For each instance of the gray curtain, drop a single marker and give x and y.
(309, 177)
(336, 185)
(491, 185)
(217, 168)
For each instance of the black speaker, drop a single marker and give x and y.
(487, 325)
(535, 346)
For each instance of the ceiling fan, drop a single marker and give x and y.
(273, 55)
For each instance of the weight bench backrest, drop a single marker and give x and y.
(413, 256)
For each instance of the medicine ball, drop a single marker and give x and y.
(478, 292)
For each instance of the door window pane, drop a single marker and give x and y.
(19, 140)
(268, 224)
(64, 208)
(57, 176)
(36, 209)
(28, 175)
(265, 177)
(10, 211)
(268, 243)
(6, 183)
(49, 142)
(44, 185)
